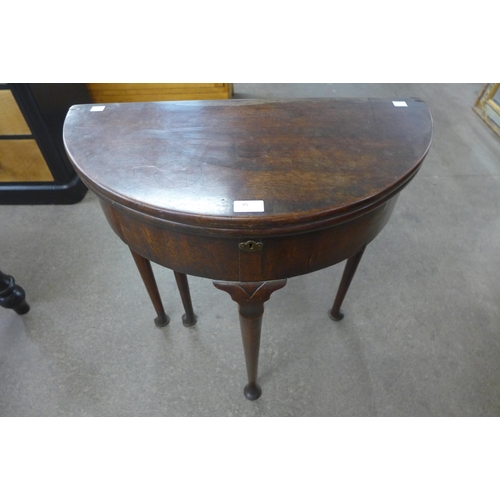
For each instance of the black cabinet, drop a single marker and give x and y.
(34, 168)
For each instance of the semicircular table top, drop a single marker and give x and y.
(305, 159)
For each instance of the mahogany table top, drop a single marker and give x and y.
(300, 161)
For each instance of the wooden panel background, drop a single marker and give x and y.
(12, 121)
(139, 92)
(22, 161)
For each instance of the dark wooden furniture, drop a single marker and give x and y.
(12, 296)
(249, 192)
(34, 168)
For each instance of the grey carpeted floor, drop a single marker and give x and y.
(421, 335)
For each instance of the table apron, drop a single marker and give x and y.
(221, 258)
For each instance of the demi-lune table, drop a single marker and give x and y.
(248, 193)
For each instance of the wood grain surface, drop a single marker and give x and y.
(12, 121)
(310, 159)
(133, 92)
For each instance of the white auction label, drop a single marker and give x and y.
(97, 108)
(400, 104)
(248, 206)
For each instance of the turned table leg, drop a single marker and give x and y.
(190, 318)
(250, 298)
(146, 272)
(12, 296)
(350, 268)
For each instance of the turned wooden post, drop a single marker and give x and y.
(350, 268)
(146, 272)
(250, 298)
(189, 318)
(12, 296)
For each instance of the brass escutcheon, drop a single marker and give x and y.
(251, 246)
